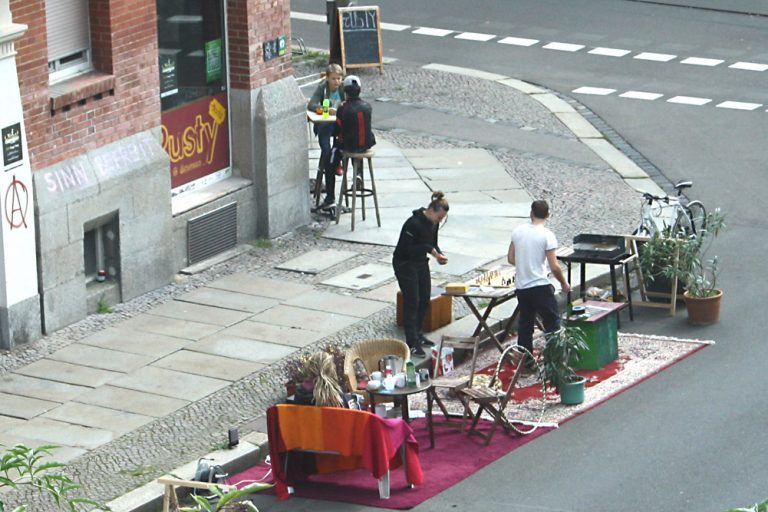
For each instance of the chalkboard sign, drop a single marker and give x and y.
(360, 37)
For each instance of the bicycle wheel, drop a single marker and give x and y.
(698, 216)
(682, 226)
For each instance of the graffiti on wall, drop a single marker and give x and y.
(16, 204)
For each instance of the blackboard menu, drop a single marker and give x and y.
(12, 152)
(360, 37)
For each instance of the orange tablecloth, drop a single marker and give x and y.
(361, 440)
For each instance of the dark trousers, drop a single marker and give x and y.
(325, 139)
(416, 287)
(532, 301)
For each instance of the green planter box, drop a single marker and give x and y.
(601, 333)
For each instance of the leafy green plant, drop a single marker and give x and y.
(562, 349)
(104, 307)
(263, 243)
(757, 507)
(24, 467)
(225, 501)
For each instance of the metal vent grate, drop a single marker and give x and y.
(212, 233)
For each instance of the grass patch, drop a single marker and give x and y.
(138, 471)
(263, 243)
(103, 307)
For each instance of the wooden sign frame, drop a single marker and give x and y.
(340, 14)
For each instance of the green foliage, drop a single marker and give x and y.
(757, 507)
(138, 471)
(562, 349)
(224, 498)
(104, 307)
(24, 467)
(263, 243)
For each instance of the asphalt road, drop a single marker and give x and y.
(694, 437)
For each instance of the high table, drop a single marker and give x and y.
(401, 396)
(496, 296)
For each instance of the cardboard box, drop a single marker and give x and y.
(439, 312)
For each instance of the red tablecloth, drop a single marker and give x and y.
(361, 439)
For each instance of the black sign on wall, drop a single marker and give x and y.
(360, 37)
(12, 152)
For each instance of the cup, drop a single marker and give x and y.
(424, 374)
(376, 376)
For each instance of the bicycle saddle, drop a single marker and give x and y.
(680, 185)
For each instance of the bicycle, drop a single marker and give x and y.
(687, 218)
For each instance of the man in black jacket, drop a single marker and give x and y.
(353, 119)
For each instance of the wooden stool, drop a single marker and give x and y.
(358, 190)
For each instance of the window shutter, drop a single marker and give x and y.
(67, 25)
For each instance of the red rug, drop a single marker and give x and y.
(455, 457)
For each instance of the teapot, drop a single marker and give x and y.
(394, 362)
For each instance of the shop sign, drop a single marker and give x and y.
(169, 78)
(196, 138)
(12, 151)
(273, 48)
(213, 60)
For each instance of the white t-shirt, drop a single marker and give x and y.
(531, 243)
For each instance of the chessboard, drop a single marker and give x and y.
(499, 277)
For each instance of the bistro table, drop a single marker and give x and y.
(496, 297)
(318, 119)
(401, 396)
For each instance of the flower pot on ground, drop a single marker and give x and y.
(562, 350)
(572, 392)
(703, 310)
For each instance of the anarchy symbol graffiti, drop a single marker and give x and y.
(16, 206)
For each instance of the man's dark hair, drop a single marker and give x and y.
(353, 91)
(540, 209)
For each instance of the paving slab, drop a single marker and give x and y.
(226, 299)
(333, 302)
(553, 103)
(493, 210)
(394, 173)
(463, 326)
(388, 162)
(399, 186)
(510, 196)
(68, 373)
(488, 172)
(314, 262)
(7, 422)
(386, 293)
(199, 313)
(42, 389)
(264, 287)
(615, 158)
(320, 321)
(209, 365)
(138, 402)
(645, 185)
(62, 454)
(410, 200)
(167, 326)
(426, 158)
(459, 264)
(365, 233)
(124, 339)
(102, 358)
(115, 421)
(580, 127)
(282, 335)
(24, 406)
(507, 224)
(363, 277)
(476, 235)
(244, 349)
(170, 383)
(65, 434)
(471, 197)
(490, 249)
(468, 183)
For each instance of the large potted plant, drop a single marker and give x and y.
(562, 350)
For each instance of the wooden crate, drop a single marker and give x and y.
(439, 312)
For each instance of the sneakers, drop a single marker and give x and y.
(426, 341)
(418, 351)
(327, 202)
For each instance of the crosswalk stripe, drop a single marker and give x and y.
(395, 27)
(739, 105)
(658, 57)
(474, 36)
(640, 95)
(597, 91)
(564, 47)
(307, 16)
(518, 41)
(437, 32)
(689, 100)
(609, 52)
(699, 61)
(749, 66)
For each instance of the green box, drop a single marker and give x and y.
(603, 340)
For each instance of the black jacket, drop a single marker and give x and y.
(353, 126)
(417, 239)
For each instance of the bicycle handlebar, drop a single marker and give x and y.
(651, 198)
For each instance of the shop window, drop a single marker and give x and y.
(101, 250)
(69, 39)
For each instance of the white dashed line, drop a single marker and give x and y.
(639, 95)
(395, 27)
(689, 100)
(437, 32)
(738, 105)
(597, 91)
(609, 52)
(699, 61)
(518, 41)
(658, 57)
(564, 47)
(474, 36)
(307, 16)
(749, 66)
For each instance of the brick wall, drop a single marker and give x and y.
(124, 44)
(251, 22)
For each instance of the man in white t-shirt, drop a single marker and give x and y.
(532, 246)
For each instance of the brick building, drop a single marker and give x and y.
(159, 133)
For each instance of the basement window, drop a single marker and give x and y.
(101, 250)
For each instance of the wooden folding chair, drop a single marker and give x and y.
(489, 399)
(451, 383)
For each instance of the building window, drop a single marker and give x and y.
(101, 250)
(69, 40)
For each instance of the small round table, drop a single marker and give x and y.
(401, 396)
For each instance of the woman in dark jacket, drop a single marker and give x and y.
(330, 90)
(418, 239)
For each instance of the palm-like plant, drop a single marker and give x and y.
(562, 349)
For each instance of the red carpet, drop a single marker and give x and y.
(455, 457)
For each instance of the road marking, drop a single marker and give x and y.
(609, 52)
(640, 95)
(699, 61)
(564, 47)
(739, 105)
(749, 66)
(597, 91)
(658, 57)
(307, 16)
(395, 27)
(689, 100)
(519, 41)
(437, 32)
(474, 36)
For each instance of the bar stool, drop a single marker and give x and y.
(358, 190)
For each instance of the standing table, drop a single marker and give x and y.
(496, 296)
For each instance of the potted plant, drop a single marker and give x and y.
(562, 350)
(698, 272)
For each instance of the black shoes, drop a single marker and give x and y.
(418, 351)
(327, 203)
(426, 341)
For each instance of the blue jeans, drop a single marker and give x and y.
(532, 301)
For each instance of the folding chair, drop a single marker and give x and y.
(494, 402)
(454, 384)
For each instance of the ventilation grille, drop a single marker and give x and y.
(212, 233)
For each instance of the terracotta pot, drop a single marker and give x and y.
(703, 310)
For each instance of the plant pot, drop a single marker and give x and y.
(703, 310)
(572, 393)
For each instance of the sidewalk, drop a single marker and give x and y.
(168, 375)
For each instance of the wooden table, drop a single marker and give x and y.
(401, 396)
(496, 296)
